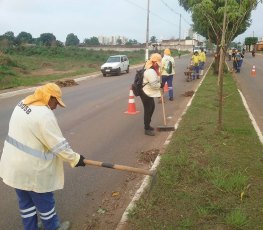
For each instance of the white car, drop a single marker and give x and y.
(115, 65)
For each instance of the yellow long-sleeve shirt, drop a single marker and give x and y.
(202, 56)
(196, 59)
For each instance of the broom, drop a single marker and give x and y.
(165, 127)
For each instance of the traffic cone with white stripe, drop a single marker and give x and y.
(253, 71)
(131, 104)
(165, 88)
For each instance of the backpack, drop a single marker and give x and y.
(138, 82)
(169, 67)
(238, 57)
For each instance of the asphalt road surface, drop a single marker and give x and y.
(96, 126)
(252, 87)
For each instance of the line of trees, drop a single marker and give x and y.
(8, 39)
(220, 21)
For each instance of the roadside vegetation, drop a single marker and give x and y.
(27, 66)
(207, 179)
(33, 65)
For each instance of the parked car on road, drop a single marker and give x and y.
(115, 65)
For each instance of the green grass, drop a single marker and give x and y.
(27, 66)
(34, 65)
(207, 179)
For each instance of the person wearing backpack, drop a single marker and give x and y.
(238, 60)
(168, 72)
(151, 89)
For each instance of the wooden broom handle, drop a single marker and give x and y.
(119, 167)
(164, 115)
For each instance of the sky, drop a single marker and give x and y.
(88, 18)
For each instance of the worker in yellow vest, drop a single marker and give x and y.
(33, 156)
(195, 62)
(202, 61)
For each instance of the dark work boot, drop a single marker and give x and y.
(149, 132)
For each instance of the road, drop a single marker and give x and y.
(95, 125)
(252, 87)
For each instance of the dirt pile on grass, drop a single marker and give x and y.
(188, 93)
(148, 156)
(66, 83)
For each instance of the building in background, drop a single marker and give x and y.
(112, 40)
(182, 44)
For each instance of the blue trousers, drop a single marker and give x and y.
(201, 65)
(169, 80)
(31, 203)
(196, 72)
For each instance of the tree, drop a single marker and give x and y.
(24, 37)
(119, 41)
(220, 21)
(153, 39)
(131, 42)
(249, 41)
(9, 36)
(93, 41)
(59, 44)
(208, 17)
(47, 39)
(7, 39)
(72, 40)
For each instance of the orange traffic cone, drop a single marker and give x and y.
(131, 104)
(253, 71)
(165, 88)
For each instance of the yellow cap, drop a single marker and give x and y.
(167, 52)
(43, 93)
(155, 57)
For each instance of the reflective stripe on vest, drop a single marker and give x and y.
(60, 147)
(30, 151)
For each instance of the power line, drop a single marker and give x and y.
(171, 9)
(151, 12)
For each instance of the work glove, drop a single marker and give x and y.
(81, 161)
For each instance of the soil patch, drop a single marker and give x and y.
(114, 204)
(188, 93)
(66, 83)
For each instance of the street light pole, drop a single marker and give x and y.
(147, 33)
(180, 33)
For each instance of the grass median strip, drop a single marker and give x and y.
(207, 179)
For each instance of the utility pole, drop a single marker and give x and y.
(147, 32)
(180, 33)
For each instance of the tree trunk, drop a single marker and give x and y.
(221, 72)
(217, 58)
